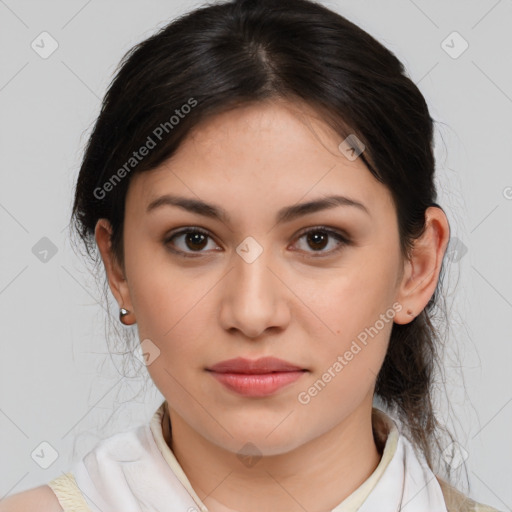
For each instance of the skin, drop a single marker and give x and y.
(288, 303)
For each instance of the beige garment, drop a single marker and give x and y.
(69, 494)
(386, 435)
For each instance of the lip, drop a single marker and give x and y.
(259, 378)
(257, 366)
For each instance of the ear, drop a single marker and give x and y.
(115, 274)
(422, 268)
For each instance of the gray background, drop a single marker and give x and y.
(58, 382)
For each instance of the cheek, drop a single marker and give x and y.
(169, 313)
(352, 317)
(352, 297)
(347, 356)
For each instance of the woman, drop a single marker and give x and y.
(260, 188)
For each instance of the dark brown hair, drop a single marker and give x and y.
(230, 54)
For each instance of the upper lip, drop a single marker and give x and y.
(262, 365)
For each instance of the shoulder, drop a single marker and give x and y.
(38, 499)
(456, 501)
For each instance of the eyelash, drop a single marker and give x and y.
(342, 239)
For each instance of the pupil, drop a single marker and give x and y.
(317, 239)
(197, 239)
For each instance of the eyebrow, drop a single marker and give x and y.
(286, 214)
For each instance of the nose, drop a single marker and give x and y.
(254, 298)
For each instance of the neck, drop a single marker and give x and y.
(316, 476)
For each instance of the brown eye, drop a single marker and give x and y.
(317, 239)
(194, 240)
(188, 241)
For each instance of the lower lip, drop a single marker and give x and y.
(257, 385)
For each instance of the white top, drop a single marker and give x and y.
(136, 471)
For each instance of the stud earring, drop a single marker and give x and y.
(122, 313)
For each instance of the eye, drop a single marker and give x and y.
(193, 238)
(318, 238)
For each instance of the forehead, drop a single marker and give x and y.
(261, 155)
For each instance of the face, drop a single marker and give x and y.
(316, 287)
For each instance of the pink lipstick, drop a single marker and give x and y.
(256, 378)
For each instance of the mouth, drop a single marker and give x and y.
(256, 378)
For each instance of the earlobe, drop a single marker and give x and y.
(422, 270)
(115, 274)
